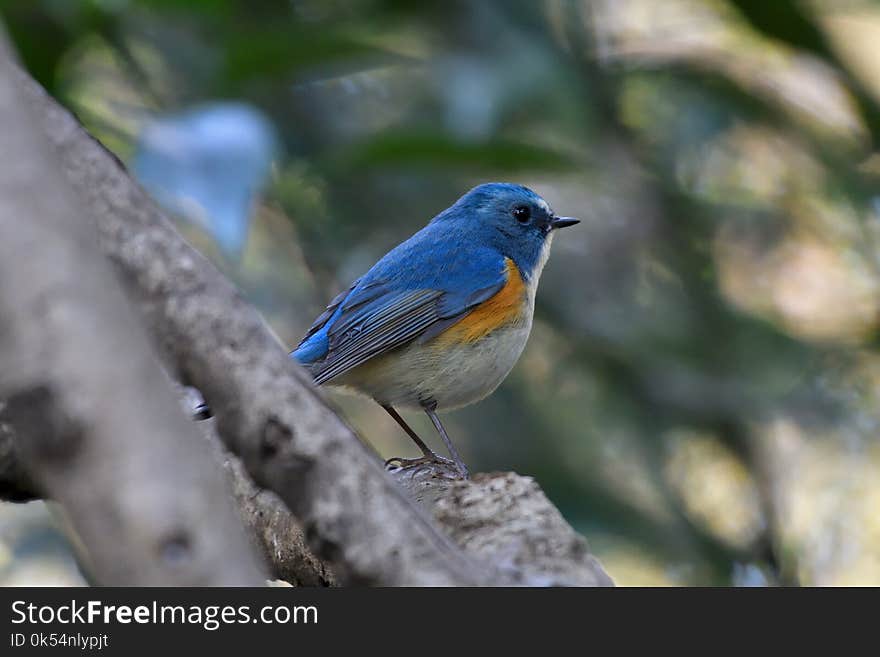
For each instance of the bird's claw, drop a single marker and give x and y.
(439, 466)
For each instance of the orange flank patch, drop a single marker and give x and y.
(504, 307)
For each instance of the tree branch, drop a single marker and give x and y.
(506, 519)
(104, 435)
(276, 533)
(273, 529)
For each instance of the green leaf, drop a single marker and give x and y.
(290, 50)
(786, 21)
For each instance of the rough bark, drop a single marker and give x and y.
(79, 379)
(278, 535)
(268, 412)
(506, 519)
(275, 532)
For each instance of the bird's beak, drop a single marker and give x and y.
(562, 222)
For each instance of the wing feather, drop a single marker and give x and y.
(378, 314)
(400, 320)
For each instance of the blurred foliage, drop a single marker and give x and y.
(208, 165)
(701, 393)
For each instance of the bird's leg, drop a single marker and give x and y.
(428, 456)
(430, 409)
(409, 432)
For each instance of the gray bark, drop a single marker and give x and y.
(273, 530)
(105, 436)
(354, 515)
(506, 519)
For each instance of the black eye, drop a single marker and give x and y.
(522, 213)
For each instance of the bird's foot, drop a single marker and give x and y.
(432, 463)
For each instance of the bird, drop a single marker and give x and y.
(440, 320)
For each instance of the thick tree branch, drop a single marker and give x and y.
(505, 518)
(274, 531)
(268, 412)
(105, 437)
(502, 517)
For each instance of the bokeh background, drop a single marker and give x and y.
(701, 392)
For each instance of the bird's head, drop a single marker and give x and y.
(510, 217)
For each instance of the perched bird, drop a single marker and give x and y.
(442, 318)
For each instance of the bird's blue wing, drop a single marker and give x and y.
(381, 312)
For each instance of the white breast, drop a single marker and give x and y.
(453, 376)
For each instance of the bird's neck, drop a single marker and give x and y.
(531, 262)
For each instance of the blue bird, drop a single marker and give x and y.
(442, 318)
